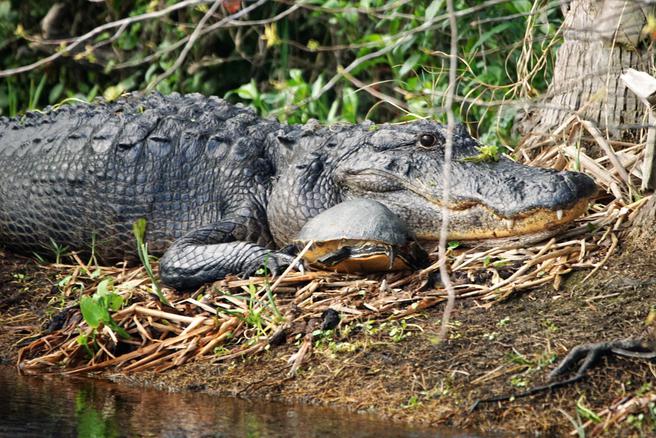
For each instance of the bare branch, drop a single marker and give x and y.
(448, 152)
(231, 23)
(199, 31)
(192, 40)
(96, 31)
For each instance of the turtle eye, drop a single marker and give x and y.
(427, 140)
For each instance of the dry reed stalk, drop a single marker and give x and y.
(617, 413)
(297, 358)
(610, 153)
(165, 315)
(610, 251)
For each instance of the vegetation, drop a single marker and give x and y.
(96, 312)
(333, 60)
(336, 60)
(139, 231)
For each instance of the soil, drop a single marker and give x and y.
(400, 372)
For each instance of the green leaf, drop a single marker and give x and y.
(113, 92)
(93, 93)
(55, 93)
(114, 301)
(316, 87)
(92, 312)
(248, 91)
(409, 64)
(350, 105)
(487, 153)
(139, 229)
(585, 412)
(522, 6)
(103, 288)
(5, 10)
(35, 94)
(121, 331)
(151, 73)
(490, 33)
(433, 8)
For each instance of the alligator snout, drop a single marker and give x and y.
(579, 186)
(511, 190)
(519, 202)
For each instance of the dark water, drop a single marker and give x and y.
(51, 406)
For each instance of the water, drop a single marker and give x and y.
(52, 406)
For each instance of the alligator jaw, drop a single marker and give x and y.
(472, 221)
(481, 224)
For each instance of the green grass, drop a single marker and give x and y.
(139, 230)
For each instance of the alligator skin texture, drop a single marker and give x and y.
(221, 188)
(80, 176)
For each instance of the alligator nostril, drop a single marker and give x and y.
(580, 184)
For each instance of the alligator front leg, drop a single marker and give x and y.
(211, 252)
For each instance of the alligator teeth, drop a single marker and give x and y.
(510, 223)
(559, 215)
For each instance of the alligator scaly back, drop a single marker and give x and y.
(82, 174)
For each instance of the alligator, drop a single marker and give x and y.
(222, 189)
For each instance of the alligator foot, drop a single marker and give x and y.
(588, 355)
(273, 262)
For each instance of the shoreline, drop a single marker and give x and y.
(398, 372)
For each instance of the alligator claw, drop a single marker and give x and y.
(589, 354)
(274, 262)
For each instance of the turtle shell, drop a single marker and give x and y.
(360, 235)
(357, 219)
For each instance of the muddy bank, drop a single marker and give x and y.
(397, 370)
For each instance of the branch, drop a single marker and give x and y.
(448, 152)
(96, 31)
(230, 24)
(192, 40)
(401, 38)
(199, 31)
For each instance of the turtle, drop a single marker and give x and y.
(360, 236)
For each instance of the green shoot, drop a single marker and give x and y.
(96, 311)
(58, 250)
(585, 412)
(139, 230)
(487, 154)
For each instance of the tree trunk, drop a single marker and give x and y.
(643, 231)
(601, 39)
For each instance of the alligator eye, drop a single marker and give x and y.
(427, 140)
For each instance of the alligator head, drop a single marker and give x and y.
(402, 166)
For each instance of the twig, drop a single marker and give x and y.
(185, 51)
(292, 265)
(99, 30)
(448, 153)
(614, 242)
(610, 153)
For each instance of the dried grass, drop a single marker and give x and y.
(240, 317)
(616, 414)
